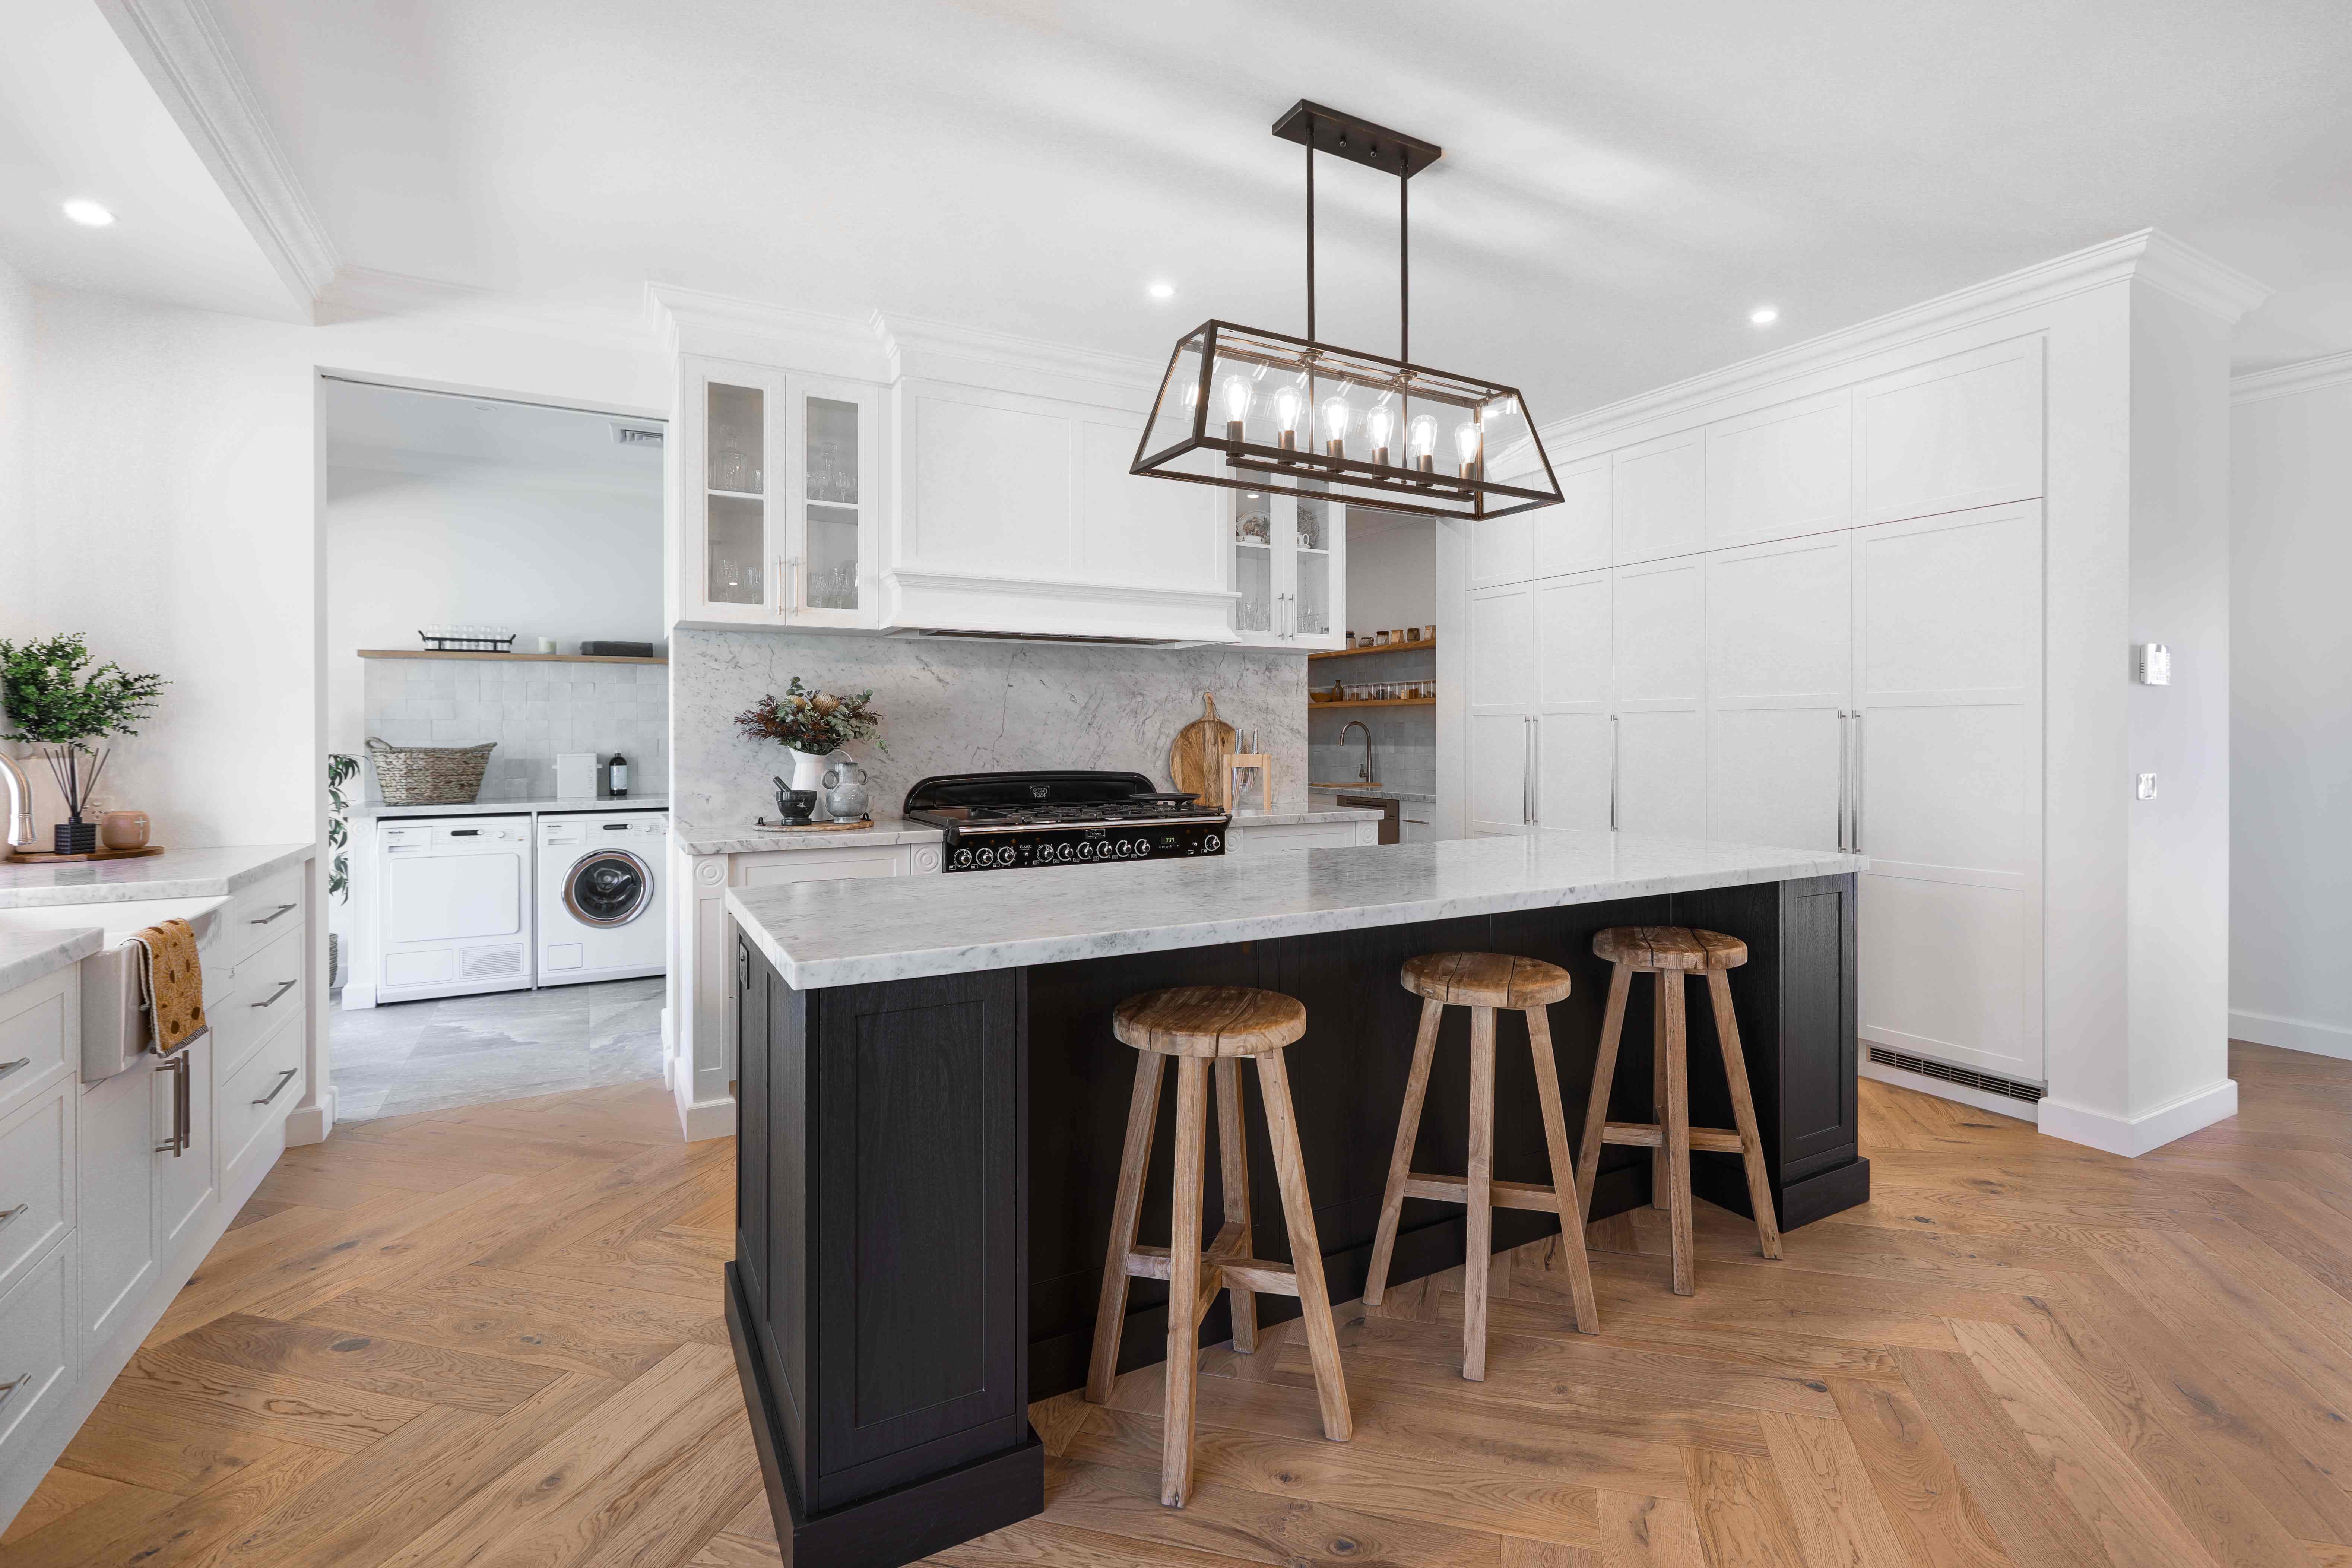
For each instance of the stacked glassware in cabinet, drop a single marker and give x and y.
(1287, 553)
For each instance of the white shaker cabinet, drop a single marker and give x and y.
(1659, 637)
(1287, 567)
(180, 1165)
(1500, 691)
(1780, 472)
(1958, 432)
(1658, 498)
(1779, 659)
(1947, 791)
(1574, 724)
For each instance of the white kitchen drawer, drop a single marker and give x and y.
(260, 915)
(255, 997)
(36, 1191)
(38, 1354)
(39, 1034)
(267, 1086)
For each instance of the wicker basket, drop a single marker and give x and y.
(429, 775)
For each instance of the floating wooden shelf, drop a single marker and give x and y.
(511, 657)
(1392, 648)
(1379, 702)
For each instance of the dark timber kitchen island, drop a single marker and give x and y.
(932, 1106)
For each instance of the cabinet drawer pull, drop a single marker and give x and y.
(8, 1214)
(182, 1130)
(273, 914)
(283, 987)
(7, 1067)
(284, 1077)
(8, 1389)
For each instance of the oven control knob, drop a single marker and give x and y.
(1086, 851)
(962, 857)
(988, 857)
(1126, 848)
(1210, 843)
(1143, 848)
(1069, 850)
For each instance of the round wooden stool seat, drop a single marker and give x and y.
(1209, 1021)
(1484, 980)
(1669, 948)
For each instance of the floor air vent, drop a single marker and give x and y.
(1966, 1078)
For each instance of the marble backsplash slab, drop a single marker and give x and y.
(969, 707)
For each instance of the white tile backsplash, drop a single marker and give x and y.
(531, 712)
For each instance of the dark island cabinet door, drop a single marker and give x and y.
(915, 1208)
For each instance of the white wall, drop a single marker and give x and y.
(482, 545)
(1391, 573)
(16, 452)
(2291, 719)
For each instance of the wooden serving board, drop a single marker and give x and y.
(764, 825)
(1196, 759)
(51, 858)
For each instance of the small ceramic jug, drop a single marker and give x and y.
(844, 791)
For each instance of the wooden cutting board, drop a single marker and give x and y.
(1196, 757)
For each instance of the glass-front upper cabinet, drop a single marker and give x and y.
(783, 490)
(1288, 569)
(829, 544)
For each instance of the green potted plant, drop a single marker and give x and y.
(812, 725)
(52, 704)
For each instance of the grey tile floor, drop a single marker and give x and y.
(468, 1051)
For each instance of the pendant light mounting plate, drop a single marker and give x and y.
(1357, 139)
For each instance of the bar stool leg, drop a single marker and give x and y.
(1306, 1251)
(1675, 1114)
(1604, 1073)
(1563, 1172)
(1416, 1087)
(1232, 1163)
(1184, 1281)
(1478, 1255)
(1661, 1173)
(1134, 1160)
(1743, 1113)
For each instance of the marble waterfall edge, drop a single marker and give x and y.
(955, 707)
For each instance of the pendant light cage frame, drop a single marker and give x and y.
(1251, 409)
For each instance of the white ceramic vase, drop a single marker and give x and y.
(808, 771)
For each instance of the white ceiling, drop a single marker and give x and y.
(374, 426)
(1621, 182)
(78, 121)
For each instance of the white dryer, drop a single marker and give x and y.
(453, 906)
(601, 911)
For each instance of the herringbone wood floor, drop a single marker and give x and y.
(493, 1336)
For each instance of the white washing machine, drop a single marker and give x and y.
(453, 906)
(600, 914)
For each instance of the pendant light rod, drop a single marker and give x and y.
(1310, 237)
(1322, 129)
(1404, 268)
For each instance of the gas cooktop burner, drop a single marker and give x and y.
(1010, 820)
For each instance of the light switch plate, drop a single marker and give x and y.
(2155, 664)
(2147, 790)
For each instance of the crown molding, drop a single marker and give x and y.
(945, 351)
(695, 320)
(360, 294)
(180, 49)
(2176, 269)
(2292, 380)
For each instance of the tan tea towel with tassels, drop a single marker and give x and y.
(172, 983)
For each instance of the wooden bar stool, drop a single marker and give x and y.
(1672, 953)
(1201, 1024)
(1483, 982)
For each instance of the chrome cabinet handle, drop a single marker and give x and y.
(8, 1214)
(1614, 749)
(283, 987)
(7, 1067)
(284, 1077)
(183, 1132)
(1854, 837)
(1846, 767)
(8, 1389)
(1527, 770)
(273, 914)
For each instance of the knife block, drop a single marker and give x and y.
(1237, 764)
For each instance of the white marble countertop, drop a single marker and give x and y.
(375, 808)
(174, 874)
(1370, 791)
(851, 932)
(1300, 818)
(27, 955)
(741, 838)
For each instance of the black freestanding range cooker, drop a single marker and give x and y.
(1006, 821)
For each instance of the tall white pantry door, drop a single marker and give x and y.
(1780, 652)
(1947, 786)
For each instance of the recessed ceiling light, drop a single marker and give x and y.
(1764, 315)
(89, 214)
(1161, 290)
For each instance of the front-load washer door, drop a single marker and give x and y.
(609, 888)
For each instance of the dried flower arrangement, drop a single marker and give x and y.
(816, 722)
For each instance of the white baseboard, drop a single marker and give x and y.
(701, 1119)
(311, 1124)
(2134, 1136)
(357, 998)
(1959, 1093)
(2292, 1034)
